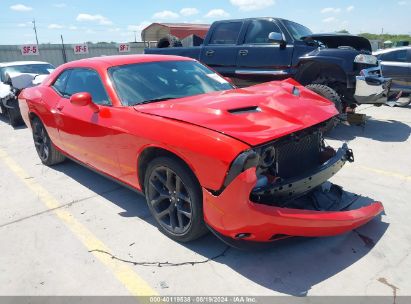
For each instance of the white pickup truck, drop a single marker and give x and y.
(15, 76)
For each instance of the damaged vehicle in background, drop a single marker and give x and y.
(390, 83)
(15, 76)
(257, 50)
(250, 164)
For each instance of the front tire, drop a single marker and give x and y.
(175, 199)
(331, 95)
(46, 151)
(328, 93)
(14, 116)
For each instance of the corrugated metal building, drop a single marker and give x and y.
(156, 31)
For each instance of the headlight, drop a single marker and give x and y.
(367, 59)
(267, 157)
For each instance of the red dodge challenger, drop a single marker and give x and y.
(250, 164)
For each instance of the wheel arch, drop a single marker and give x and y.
(32, 115)
(148, 153)
(311, 71)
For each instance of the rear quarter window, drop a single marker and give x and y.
(226, 33)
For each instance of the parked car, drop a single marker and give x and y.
(258, 50)
(390, 82)
(15, 76)
(396, 64)
(250, 164)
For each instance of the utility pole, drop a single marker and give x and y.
(135, 36)
(35, 31)
(63, 49)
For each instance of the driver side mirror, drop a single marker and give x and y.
(276, 38)
(84, 99)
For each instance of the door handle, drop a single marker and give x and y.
(60, 107)
(209, 53)
(243, 52)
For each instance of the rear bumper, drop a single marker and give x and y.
(232, 214)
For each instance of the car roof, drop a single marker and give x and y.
(14, 63)
(392, 49)
(117, 60)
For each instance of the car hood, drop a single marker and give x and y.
(24, 80)
(254, 115)
(337, 40)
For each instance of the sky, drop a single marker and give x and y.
(87, 20)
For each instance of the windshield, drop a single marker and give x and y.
(155, 81)
(297, 30)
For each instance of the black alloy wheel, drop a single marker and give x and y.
(41, 141)
(170, 200)
(46, 151)
(174, 198)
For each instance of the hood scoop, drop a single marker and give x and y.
(245, 110)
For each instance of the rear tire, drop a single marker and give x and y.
(175, 199)
(169, 41)
(46, 151)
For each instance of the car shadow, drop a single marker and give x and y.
(379, 130)
(290, 266)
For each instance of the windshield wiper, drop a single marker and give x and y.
(155, 100)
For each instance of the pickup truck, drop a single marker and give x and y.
(255, 50)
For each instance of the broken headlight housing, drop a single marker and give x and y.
(366, 59)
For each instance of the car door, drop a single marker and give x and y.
(221, 48)
(396, 65)
(260, 60)
(85, 134)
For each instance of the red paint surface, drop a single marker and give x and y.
(200, 131)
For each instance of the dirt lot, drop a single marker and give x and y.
(61, 226)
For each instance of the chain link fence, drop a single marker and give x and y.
(58, 54)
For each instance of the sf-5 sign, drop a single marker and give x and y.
(80, 49)
(29, 50)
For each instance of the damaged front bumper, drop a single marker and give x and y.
(373, 88)
(315, 207)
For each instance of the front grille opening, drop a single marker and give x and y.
(295, 155)
(298, 155)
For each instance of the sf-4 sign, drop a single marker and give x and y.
(29, 50)
(124, 47)
(80, 49)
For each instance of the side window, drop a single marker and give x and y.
(84, 80)
(226, 33)
(258, 31)
(60, 83)
(396, 56)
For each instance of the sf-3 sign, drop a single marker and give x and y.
(29, 50)
(80, 49)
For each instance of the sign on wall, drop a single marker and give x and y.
(29, 50)
(80, 49)
(124, 47)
